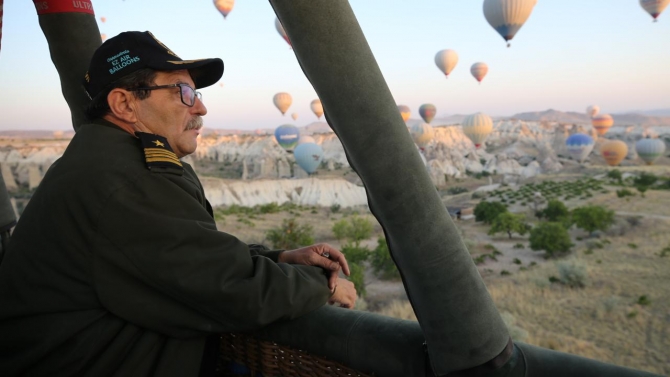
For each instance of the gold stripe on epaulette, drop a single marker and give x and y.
(158, 159)
(173, 160)
(166, 154)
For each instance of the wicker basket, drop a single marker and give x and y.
(268, 359)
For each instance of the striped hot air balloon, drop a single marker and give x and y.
(654, 7)
(287, 136)
(281, 31)
(602, 123)
(422, 134)
(508, 16)
(477, 128)
(317, 108)
(427, 112)
(282, 101)
(405, 112)
(308, 156)
(224, 6)
(650, 149)
(306, 139)
(592, 110)
(579, 146)
(614, 151)
(446, 61)
(479, 70)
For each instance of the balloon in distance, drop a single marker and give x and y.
(405, 112)
(446, 61)
(317, 108)
(477, 128)
(579, 146)
(282, 101)
(308, 156)
(650, 149)
(287, 136)
(103, 19)
(592, 111)
(602, 123)
(614, 151)
(654, 7)
(281, 31)
(508, 16)
(294, 116)
(422, 134)
(224, 6)
(306, 139)
(427, 112)
(479, 71)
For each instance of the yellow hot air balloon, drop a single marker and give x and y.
(446, 61)
(654, 7)
(602, 123)
(422, 134)
(405, 112)
(614, 151)
(224, 6)
(103, 19)
(281, 31)
(479, 70)
(103, 36)
(283, 101)
(317, 108)
(294, 116)
(477, 128)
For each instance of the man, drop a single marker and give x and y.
(116, 267)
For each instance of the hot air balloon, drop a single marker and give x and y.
(446, 61)
(224, 6)
(477, 128)
(283, 101)
(103, 19)
(306, 139)
(427, 112)
(614, 151)
(405, 112)
(281, 31)
(422, 134)
(103, 36)
(649, 149)
(287, 136)
(317, 108)
(602, 123)
(592, 110)
(308, 156)
(479, 70)
(579, 146)
(294, 116)
(507, 16)
(654, 7)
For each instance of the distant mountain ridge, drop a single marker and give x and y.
(628, 119)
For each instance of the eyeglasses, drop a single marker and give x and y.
(187, 93)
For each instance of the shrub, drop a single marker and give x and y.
(335, 208)
(382, 263)
(517, 261)
(624, 193)
(290, 235)
(573, 273)
(644, 300)
(487, 211)
(632, 246)
(269, 208)
(358, 278)
(645, 179)
(592, 218)
(505, 272)
(551, 237)
(456, 190)
(355, 229)
(354, 254)
(519, 246)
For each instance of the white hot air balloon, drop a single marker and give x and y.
(479, 70)
(592, 110)
(283, 101)
(306, 139)
(446, 61)
(508, 16)
(650, 149)
(654, 7)
(317, 108)
(477, 128)
(422, 133)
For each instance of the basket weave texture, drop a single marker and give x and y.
(269, 359)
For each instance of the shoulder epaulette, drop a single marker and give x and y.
(158, 153)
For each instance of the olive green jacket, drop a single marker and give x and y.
(116, 268)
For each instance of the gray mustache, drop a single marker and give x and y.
(194, 124)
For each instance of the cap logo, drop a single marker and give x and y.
(184, 61)
(164, 46)
(121, 60)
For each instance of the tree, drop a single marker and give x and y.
(555, 211)
(290, 235)
(488, 211)
(354, 231)
(551, 237)
(615, 175)
(382, 263)
(509, 223)
(592, 218)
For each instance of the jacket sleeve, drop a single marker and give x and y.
(263, 250)
(160, 263)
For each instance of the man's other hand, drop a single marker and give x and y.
(344, 295)
(320, 255)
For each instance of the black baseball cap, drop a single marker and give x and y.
(134, 50)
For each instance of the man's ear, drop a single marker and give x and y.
(122, 104)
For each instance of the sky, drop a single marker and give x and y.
(568, 55)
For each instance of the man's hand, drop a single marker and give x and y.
(344, 295)
(320, 255)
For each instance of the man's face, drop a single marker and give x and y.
(163, 113)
